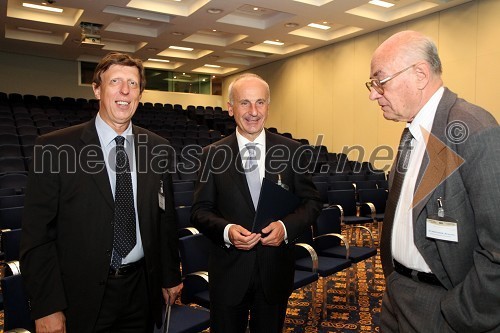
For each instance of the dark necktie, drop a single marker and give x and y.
(124, 238)
(252, 173)
(399, 171)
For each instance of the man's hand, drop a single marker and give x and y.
(241, 238)
(170, 294)
(275, 234)
(53, 323)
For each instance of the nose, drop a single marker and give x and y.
(125, 89)
(253, 109)
(374, 95)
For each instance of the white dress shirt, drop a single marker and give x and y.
(403, 245)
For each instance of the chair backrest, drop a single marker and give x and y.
(344, 198)
(9, 201)
(327, 222)
(322, 188)
(184, 198)
(13, 180)
(15, 304)
(10, 218)
(378, 197)
(183, 186)
(11, 240)
(194, 252)
(341, 185)
(183, 216)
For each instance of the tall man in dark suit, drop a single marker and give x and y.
(77, 275)
(250, 271)
(440, 243)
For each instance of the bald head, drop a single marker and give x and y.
(410, 47)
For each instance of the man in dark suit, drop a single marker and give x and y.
(250, 271)
(76, 276)
(440, 250)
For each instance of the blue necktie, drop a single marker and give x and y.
(124, 236)
(252, 173)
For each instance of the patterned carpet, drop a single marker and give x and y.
(359, 314)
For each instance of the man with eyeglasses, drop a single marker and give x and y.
(439, 249)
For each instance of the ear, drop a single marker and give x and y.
(97, 91)
(423, 74)
(230, 109)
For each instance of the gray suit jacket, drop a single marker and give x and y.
(467, 136)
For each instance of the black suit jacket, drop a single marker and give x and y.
(67, 235)
(222, 197)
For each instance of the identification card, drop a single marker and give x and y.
(442, 229)
(161, 201)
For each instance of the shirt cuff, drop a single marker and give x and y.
(286, 234)
(226, 235)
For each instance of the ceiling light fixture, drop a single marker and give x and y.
(213, 66)
(35, 30)
(214, 10)
(381, 3)
(318, 26)
(272, 42)
(291, 25)
(255, 8)
(181, 48)
(158, 60)
(46, 8)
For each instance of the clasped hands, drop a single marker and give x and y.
(243, 239)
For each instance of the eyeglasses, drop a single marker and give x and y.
(378, 85)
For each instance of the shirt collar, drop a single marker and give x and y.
(108, 135)
(425, 117)
(259, 140)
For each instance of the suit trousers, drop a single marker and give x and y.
(264, 316)
(411, 306)
(125, 306)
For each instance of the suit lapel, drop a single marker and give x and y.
(270, 142)
(90, 138)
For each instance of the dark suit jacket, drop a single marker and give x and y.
(67, 235)
(222, 197)
(469, 269)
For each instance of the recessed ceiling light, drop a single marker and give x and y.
(46, 8)
(291, 25)
(272, 42)
(255, 8)
(213, 66)
(181, 48)
(381, 3)
(214, 10)
(319, 26)
(177, 33)
(214, 30)
(35, 30)
(158, 60)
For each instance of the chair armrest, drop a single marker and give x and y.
(12, 268)
(194, 283)
(187, 231)
(370, 206)
(312, 254)
(342, 238)
(367, 230)
(341, 211)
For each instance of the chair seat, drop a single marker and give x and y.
(326, 265)
(357, 219)
(303, 278)
(187, 319)
(356, 253)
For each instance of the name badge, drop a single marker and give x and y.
(442, 229)
(161, 197)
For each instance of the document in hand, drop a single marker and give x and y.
(274, 204)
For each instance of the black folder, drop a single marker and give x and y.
(274, 204)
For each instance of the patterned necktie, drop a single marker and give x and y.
(399, 170)
(252, 173)
(124, 238)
